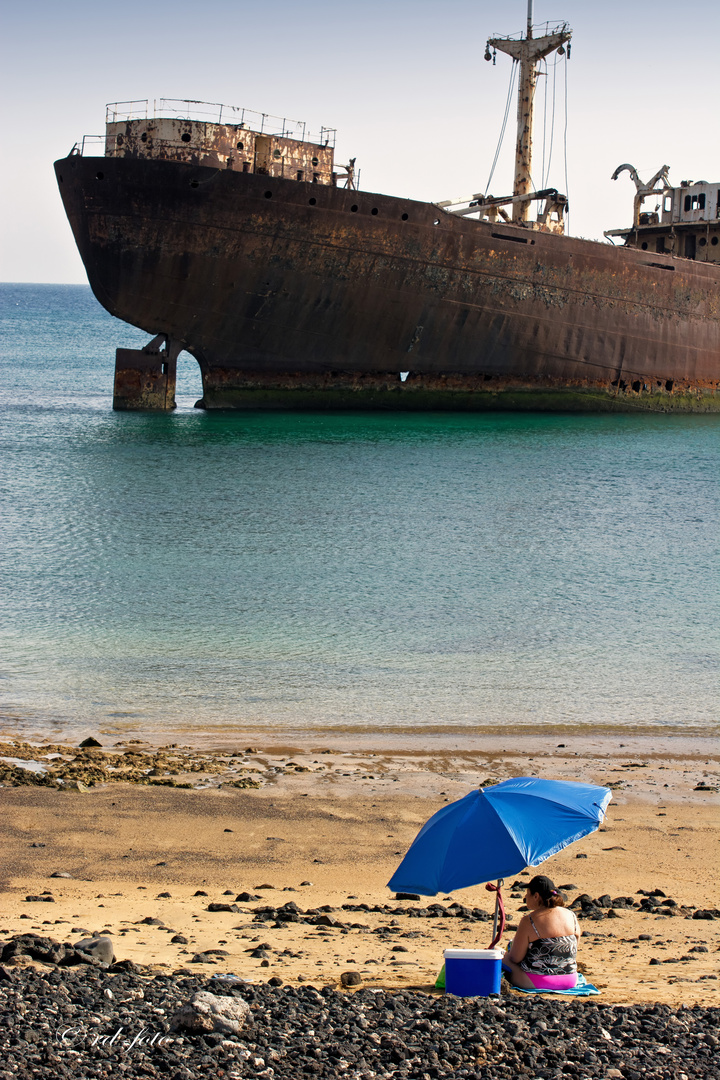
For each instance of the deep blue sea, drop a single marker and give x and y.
(221, 571)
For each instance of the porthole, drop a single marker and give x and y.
(702, 241)
(99, 176)
(185, 136)
(374, 210)
(277, 153)
(120, 140)
(405, 217)
(143, 137)
(354, 208)
(241, 146)
(268, 194)
(644, 245)
(436, 221)
(714, 241)
(315, 161)
(312, 202)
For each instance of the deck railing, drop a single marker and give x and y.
(211, 112)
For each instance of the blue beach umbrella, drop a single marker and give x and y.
(497, 831)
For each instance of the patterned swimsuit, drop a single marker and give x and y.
(550, 962)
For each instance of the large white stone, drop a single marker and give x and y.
(207, 1012)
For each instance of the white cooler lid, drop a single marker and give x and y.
(473, 954)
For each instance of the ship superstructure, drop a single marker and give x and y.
(684, 221)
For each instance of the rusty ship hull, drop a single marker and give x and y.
(298, 295)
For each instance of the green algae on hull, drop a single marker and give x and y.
(422, 400)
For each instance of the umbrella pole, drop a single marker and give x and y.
(497, 908)
(499, 912)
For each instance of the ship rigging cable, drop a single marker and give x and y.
(567, 191)
(513, 73)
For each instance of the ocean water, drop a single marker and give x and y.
(211, 572)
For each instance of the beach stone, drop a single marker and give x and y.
(45, 899)
(206, 1012)
(327, 920)
(350, 978)
(178, 939)
(61, 874)
(223, 907)
(89, 742)
(101, 948)
(703, 914)
(246, 898)
(407, 896)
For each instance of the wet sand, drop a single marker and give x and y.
(327, 825)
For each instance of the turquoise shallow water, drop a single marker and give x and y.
(202, 571)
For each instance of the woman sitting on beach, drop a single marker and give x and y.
(542, 954)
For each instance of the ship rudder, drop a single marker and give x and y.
(145, 378)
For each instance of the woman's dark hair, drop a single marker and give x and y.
(550, 896)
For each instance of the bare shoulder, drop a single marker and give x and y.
(524, 926)
(572, 922)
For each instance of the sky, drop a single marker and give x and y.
(403, 81)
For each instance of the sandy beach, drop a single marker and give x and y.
(325, 826)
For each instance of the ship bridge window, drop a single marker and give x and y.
(277, 153)
(315, 162)
(240, 146)
(667, 205)
(694, 202)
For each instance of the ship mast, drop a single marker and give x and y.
(528, 51)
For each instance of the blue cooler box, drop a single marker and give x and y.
(473, 972)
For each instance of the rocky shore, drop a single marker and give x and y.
(92, 1021)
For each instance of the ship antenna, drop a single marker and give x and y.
(528, 51)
